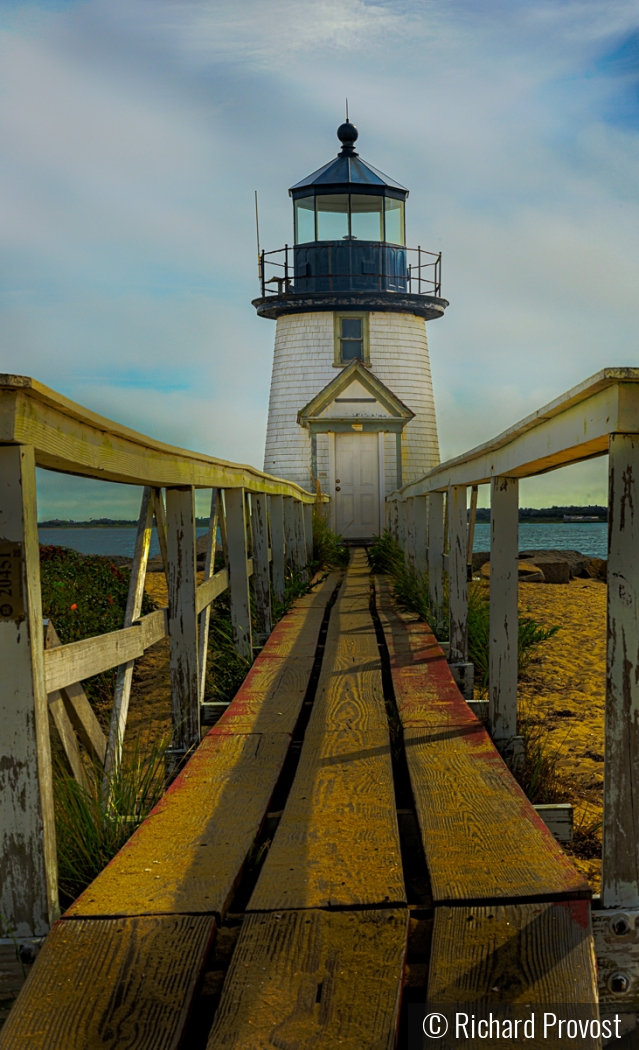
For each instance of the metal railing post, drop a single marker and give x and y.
(28, 866)
(504, 524)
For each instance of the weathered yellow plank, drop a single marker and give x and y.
(70, 438)
(337, 842)
(110, 984)
(188, 854)
(481, 836)
(513, 953)
(314, 979)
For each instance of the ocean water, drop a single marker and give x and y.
(588, 537)
(100, 541)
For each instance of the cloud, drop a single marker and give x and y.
(133, 134)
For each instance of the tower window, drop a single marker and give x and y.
(351, 338)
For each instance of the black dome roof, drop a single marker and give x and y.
(348, 173)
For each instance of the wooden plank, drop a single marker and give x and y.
(124, 675)
(504, 615)
(105, 984)
(211, 589)
(337, 843)
(72, 439)
(66, 737)
(482, 837)
(620, 861)
(278, 546)
(205, 612)
(188, 854)
(261, 573)
(576, 426)
(314, 979)
(238, 571)
(28, 867)
(457, 576)
(514, 953)
(182, 583)
(77, 661)
(78, 709)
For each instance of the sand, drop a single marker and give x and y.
(561, 694)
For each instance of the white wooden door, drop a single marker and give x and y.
(357, 485)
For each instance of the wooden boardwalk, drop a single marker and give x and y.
(321, 956)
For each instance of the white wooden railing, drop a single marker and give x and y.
(261, 519)
(598, 417)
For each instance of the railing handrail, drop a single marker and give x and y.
(528, 460)
(73, 439)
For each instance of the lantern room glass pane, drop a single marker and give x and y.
(304, 220)
(366, 217)
(394, 221)
(332, 217)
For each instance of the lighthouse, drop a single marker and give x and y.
(351, 401)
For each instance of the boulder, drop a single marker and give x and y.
(480, 558)
(596, 569)
(527, 572)
(575, 559)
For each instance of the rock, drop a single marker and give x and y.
(480, 558)
(120, 560)
(596, 569)
(554, 570)
(527, 572)
(576, 560)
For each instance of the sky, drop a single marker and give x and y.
(133, 134)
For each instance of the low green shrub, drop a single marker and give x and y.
(328, 550)
(94, 822)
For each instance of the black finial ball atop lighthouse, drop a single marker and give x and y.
(348, 134)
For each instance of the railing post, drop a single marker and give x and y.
(436, 553)
(458, 583)
(504, 523)
(278, 546)
(261, 576)
(401, 535)
(238, 571)
(182, 583)
(409, 530)
(308, 531)
(28, 867)
(300, 536)
(420, 523)
(290, 539)
(620, 862)
(209, 569)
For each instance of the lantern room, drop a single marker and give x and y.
(348, 199)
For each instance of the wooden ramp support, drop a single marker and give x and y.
(122, 965)
(303, 974)
(512, 915)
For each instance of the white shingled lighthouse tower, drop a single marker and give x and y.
(351, 392)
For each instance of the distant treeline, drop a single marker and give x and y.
(549, 514)
(99, 523)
